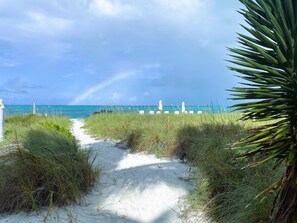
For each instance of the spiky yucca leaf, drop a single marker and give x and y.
(267, 62)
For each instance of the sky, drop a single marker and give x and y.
(117, 52)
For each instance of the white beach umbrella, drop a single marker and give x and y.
(183, 107)
(1, 120)
(160, 105)
(34, 108)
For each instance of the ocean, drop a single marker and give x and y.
(84, 111)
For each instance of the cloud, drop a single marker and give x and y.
(181, 7)
(166, 39)
(112, 9)
(99, 86)
(5, 62)
(158, 81)
(151, 66)
(133, 99)
(17, 86)
(116, 96)
(41, 23)
(68, 75)
(58, 50)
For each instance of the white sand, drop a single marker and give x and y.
(132, 188)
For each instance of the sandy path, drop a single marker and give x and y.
(132, 188)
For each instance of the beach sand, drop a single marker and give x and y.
(133, 188)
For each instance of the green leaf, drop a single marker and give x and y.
(266, 61)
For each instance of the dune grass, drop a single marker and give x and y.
(16, 127)
(225, 191)
(46, 167)
(155, 134)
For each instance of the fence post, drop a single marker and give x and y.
(1, 120)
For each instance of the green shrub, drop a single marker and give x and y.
(55, 127)
(47, 169)
(22, 119)
(16, 127)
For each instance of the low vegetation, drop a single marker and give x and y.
(225, 189)
(265, 62)
(45, 168)
(16, 127)
(155, 134)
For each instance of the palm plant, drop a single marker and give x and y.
(267, 63)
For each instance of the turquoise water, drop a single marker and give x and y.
(78, 111)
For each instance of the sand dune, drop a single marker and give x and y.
(133, 188)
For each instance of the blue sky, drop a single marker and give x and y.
(117, 52)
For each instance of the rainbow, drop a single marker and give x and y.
(120, 76)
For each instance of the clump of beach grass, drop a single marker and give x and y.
(46, 169)
(224, 188)
(155, 134)
(17, 126)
